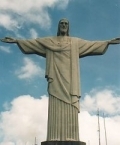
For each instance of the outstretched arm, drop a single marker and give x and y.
(114, 41)
(30, 46)
(8, 40)
(88, 48)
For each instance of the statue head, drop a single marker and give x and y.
(63, 27)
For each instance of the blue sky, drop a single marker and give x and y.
(22, 75)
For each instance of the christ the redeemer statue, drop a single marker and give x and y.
(62, 54)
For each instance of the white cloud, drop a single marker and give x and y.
(62, 4)
(8, 21)
(15, 13)
(107, 100)
(33, 33)
(26, 118)
(29, 70)
(7, 143)
(5, 49)
(89, 129)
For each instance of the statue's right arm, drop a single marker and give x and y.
(8, 40)
(30, 46)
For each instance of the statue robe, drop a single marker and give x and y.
(62, 73)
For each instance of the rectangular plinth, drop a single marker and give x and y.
(63, 143)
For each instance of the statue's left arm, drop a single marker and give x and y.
(88, 48)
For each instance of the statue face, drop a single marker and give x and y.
(63, 27)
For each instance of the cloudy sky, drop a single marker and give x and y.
(23, 88)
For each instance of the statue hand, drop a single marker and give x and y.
(115, 41)
(9, 40)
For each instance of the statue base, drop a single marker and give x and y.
(63, 143)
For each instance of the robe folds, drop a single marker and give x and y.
(62, 55)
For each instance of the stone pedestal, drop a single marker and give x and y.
(63, 143)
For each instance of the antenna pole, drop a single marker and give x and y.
(99, 126)
(105, 129)
(35, 141)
